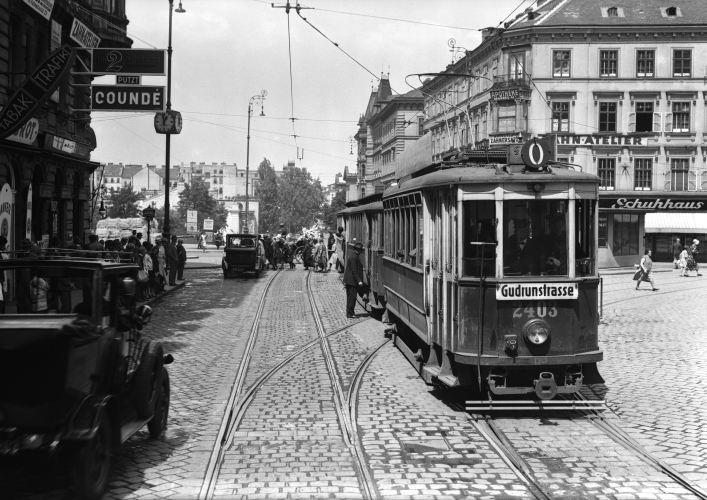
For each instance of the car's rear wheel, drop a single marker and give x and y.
(158, 424)
(91, 463)
(148, 380)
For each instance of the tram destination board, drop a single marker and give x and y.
(127, 98)
(128, 62)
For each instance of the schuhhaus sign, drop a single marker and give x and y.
(666, 204)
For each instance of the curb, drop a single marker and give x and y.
(215, 266)
(163, 295)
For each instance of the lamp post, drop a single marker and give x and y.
(165, 226)
(256, 99)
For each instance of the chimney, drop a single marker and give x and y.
(487, 32)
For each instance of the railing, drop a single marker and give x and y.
(508, 81)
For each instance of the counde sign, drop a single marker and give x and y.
(35, 90)
(127, 98)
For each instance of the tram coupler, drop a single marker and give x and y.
(545, 386)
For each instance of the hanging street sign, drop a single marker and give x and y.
(35, 90)
(128, 62)
(27, 133)
(43, 7)
(127, 98)
(128, 80)
(81, 34)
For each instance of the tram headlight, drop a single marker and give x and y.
(536, 331)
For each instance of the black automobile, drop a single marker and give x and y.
(242, 254)
(75, 371)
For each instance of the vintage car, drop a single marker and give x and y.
(75, 371)
(241, 254)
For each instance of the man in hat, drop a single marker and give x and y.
(520, 250)
(172, 260)
(353, 278)
(555, 245)
(182, 258)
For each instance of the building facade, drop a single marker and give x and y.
(622, 87)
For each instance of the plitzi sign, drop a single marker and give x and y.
(127, 98)
(128, 62)
(551, 291)
(81, 34)
(654, 204)
(35, 90)
(600, 140)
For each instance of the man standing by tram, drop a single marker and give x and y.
(353, 278)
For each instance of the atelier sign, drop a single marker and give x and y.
(27, 133)
(81, 34)
(128, 62)
(127, 98)
(35, 90)
(601, 140)
(43, 7)
(653, 204)
(128, 79)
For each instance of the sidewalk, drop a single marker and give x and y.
(199, 259)
(167, 290)
(658, 267)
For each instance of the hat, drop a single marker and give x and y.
(174, 237)
(358, 246)
(696, 242)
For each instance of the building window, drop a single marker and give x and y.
(561, 63)
(625, 234)
(363, 192)
(607, 117)
(607, 173)
(507, 118)
(681, 117)
(645, 63)
(609, 63)
(671, 11)
(643, 174)
(643, 118)
(679, 173)
(516, 65)
(603, 229)
(494, 69)
(682, 63)
(560, 116)
(612, 12)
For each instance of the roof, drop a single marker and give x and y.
(376, 206)
(462, 175)
(129, 171)
(628, 13)
(113, 170)
(671, 222)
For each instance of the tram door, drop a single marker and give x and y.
(449, 256)
(436, 265)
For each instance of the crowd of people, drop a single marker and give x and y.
(315, 252)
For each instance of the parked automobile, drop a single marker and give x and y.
(241, 255)
(75, 371)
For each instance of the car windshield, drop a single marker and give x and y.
(238, 242)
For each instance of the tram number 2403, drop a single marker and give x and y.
(534, 308)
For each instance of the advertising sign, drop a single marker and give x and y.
(128, 80)
(208, 224)
(27, 133)
(81, 34)
(28, 227)
(35, 90)
(127, 98)
(128, 62)
(43, 7)
(551, 291)
(56, 35)
(601, 140)
(505, 95)
(506, 139)
(192, 216)
(6, 213)
(652, 204)
(191, 227)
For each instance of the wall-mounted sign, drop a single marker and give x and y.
(127, 98)
(128, 62)
(653, 204)
(128, 80)
(81, 34)
(28, 226)
(66, 146)
(43, 7)
(506, 95)
(27, 133)
(35, 90)
(601, 140)
(56, 35)
(506, 139)
(6, 214)
(192, 216)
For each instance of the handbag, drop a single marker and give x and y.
(142, 276)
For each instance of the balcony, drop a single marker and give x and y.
(501, 82)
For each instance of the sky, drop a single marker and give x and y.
(226, 51)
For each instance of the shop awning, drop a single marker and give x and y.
(666, 222)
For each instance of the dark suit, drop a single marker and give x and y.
(522, 258)
(173, 261)
(353, 275)
(182, 260)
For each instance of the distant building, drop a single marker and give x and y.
(331, 189)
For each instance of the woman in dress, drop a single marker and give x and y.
(646, 270)
(320, 256)
(692, 252)
(308, 255)
(340, 249)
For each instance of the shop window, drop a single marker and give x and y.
(603, 229)
(642, 119)
(679, 174)
(561, 63)
(626, 232)
(507, 118)
(682, 63)
(608, 63)
(643, 174)
(607, 173)
(645, 63)
(478, 227)
(679, 119)
(607, 117)
(560, 116)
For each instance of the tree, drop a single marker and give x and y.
(220, 216)
(301, 199)
(176, 225)
(338, 203)
(268, 195)
(197, 197)
(124, 203)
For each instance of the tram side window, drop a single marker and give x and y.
(585, 260)
(479, 227)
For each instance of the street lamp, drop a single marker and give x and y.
(256, 99)
(165, 226)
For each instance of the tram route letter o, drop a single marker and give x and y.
(536, 153)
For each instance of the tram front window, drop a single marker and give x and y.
(479, 238)
(535, 238)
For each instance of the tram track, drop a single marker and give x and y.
(346, 404)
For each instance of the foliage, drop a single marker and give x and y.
(176, 225)
(196, 197)
(301, 198)
(268, 194)
(220, 216)
(338, 203)
(124, 203)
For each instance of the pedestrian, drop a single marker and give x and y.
(261, 253)
(645, 271)
(340, 249)
(172, 260)
(156, 276)
(289, 252)
(320, 256)
(202, 241)
(308, 255)
(677, 248)
(161, 260)
(692, 252)
(267, 241)
(182, 259)
(95, 246)
(682, 262)
(3, 280)
(331, 241)
(333, 257)
(148, 268)
(353, 279)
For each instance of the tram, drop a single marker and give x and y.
(486, 264)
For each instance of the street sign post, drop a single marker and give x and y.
(127, 98)
(128, 62)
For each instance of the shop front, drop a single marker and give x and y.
(631, 222)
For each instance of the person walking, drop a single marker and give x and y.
(320, 256)
(692, 252)
(340, 249)
(182, 259)
(645, 272)
(353, 279)
(148, 268)
(172, 260)
(682, 263)
(677, 249)
(307, 255)
(202, 241)
(333, 258)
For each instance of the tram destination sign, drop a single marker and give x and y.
(128, 62)
(127, 98)
(539, 291)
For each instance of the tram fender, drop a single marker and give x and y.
(590, 374)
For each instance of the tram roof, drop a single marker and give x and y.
(376, 206)
(481, 175)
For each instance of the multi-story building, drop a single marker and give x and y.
(620, 84)
(52, 160)
(331, 189)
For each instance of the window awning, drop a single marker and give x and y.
(666, 222)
